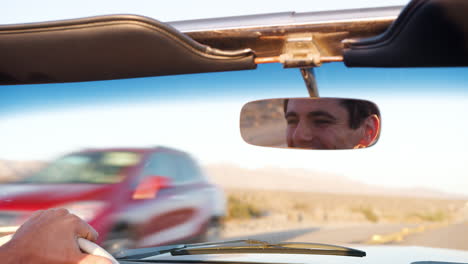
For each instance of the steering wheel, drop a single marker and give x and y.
(85, 245)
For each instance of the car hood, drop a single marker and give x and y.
(375, 254)
(39, 196)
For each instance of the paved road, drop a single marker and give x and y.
(328, 235)
(453, 236)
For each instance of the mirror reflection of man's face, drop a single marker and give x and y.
(319, 124)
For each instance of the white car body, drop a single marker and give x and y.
(375, 254)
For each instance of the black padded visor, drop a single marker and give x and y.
(104, 48)
(427, 33)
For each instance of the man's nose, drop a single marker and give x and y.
(303, 133)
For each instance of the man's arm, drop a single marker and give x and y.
(50, 237)
(7, 254)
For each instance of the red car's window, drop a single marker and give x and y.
(98, 167)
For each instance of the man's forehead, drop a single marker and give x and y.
(310, 105)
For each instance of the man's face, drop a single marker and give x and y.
(320, 124)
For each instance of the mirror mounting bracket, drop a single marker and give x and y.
(308, 74)
(300, 50)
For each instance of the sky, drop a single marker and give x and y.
(423, 144)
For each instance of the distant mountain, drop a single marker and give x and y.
(230, 176)
(12, 170)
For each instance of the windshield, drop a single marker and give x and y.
(95, 167)
(408, 189)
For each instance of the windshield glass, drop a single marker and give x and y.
(96, 167)
(408, 189)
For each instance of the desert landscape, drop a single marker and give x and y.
(269, 210)
(262, 123)
(303, 205)
(11, 170)
(299, 205)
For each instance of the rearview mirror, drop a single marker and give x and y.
(311, 123)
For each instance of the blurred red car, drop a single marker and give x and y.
(132, 197)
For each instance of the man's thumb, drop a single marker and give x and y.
(92, 259)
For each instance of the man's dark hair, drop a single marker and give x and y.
(358, 110)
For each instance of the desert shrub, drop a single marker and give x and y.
(300, 206)
(368, 213)
(239, 209)
(434, 216)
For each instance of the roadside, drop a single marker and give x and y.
(451, 236)
(346, 234)
(279, 216)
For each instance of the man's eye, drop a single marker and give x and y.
(321, 122)
(291, 121)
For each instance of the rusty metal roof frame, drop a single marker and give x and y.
(129, 46)
(269, 34)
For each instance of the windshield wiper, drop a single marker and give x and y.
(243, 247)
